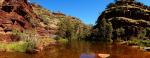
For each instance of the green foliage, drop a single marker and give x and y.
(29, 40)
(27, 36)
(31, 37)
(105, 30)
(139, 42)
(46, 19)
(72, 28)
(68, 27)
(142, 33)
(62, 40)
(20, 46)
(128, 19)
(120, 31)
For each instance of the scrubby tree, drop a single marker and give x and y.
(105, 30)
(73, 28)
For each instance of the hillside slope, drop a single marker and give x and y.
(60, 24)
(27, 27)
(19, 15)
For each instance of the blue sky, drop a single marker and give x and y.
(87, 10)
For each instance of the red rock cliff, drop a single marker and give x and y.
(14, 15)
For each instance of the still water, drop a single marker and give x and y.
(82, 49)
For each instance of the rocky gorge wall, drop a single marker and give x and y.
(127, 18)
(21, 16)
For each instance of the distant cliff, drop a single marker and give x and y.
(124, 19)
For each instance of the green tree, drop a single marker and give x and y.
(105, 30)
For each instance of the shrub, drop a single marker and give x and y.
(73, 28)
(62, 40)
(28, 36)
(105, 30)
(29, 40)
(139, 42)
(20, 46)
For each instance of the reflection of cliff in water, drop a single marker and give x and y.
(83, 49)
(87, 55)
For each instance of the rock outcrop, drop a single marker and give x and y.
(131, 18)
(16, 15)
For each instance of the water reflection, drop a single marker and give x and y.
(82, 49)
(87, 56)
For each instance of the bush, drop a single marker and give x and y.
(105, 30)
(20, 46)
(139, 42)
(73, 28)
(27, 36)
(62, 40)
(29, 40)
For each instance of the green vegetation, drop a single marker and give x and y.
(124, 21)
(20, 46)
(62, 40)
(72, 28)
(119, 21)
(139, 42)
(119, 33)
(29, 41)
(65, 26)
(105, 30)
(142, 33)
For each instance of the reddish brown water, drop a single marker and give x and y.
(82, 49)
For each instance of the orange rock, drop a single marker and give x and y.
(104, 55)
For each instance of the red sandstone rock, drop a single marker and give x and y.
(13, 17)
(18, 15)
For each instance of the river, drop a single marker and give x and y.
(82, 49)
